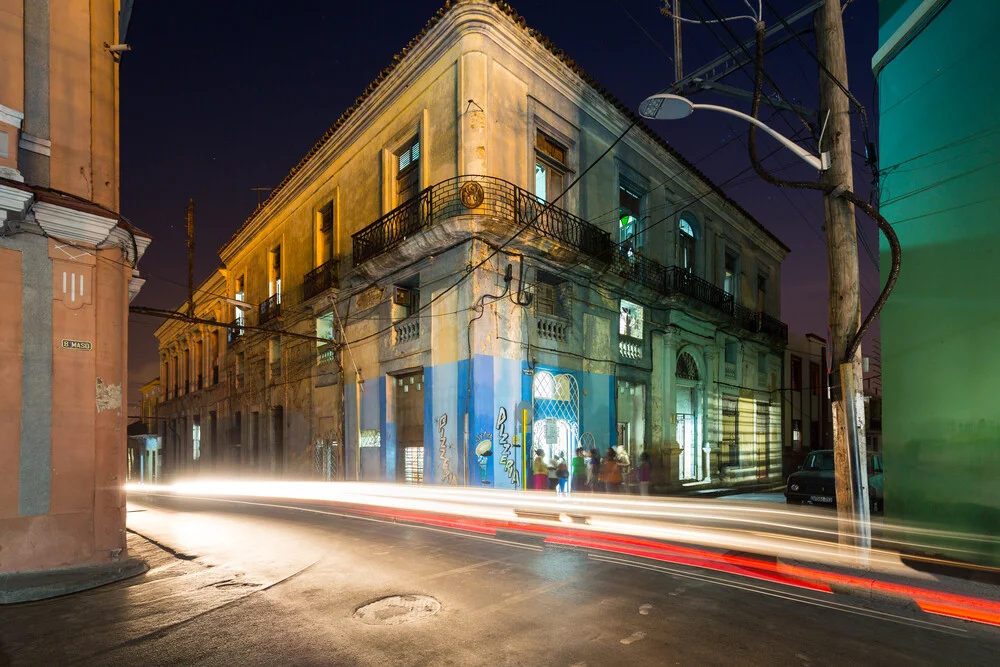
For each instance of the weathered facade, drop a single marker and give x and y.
(457, 318)
(68, 270)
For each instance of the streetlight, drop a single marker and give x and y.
(664, 106)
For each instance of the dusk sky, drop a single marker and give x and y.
(220, 98)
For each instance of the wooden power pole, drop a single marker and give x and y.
(190, 244)
(678, 55)
(845, 296)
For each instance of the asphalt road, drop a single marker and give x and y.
(258, 584)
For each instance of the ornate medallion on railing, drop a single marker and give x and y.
(472, 194)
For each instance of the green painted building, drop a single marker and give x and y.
(939, 143)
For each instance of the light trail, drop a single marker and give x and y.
(648, 528)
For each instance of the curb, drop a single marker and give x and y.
(20, 587)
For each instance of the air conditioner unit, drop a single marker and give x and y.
(402, 296)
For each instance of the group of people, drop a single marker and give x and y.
(590, 472)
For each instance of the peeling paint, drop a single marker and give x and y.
(109, 396)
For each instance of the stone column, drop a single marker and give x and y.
(710, 411)
(671, 343)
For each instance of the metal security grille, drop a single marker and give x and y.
(687, 369)
(326, 459)
(414, 465)
(555, 402)
(730, 430)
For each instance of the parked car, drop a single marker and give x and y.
(814, 481)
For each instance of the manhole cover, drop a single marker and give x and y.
(398, 609)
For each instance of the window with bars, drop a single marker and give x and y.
(730, 431)
(552, 295)
(413, 462)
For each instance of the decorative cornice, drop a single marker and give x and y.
(481, 12)
(35, 144)
(121, 237)
(11, 174)
(11, 116)
(13, 200)
(73, 225)
(134, 285)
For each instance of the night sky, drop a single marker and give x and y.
(219, 98)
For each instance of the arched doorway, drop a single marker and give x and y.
(688, 388)
(555, 403)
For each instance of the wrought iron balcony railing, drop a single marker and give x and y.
(269, 308)
(682, 281)
(481, 195)
(320, 279)
(499, 199)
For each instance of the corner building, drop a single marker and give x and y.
(68, 270)
(469, 320)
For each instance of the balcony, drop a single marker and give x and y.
(320, 279)
(407, 330)
(552, 328)
(325, 354)
(505, 202)
(481, 195)
(269, 309)
(630, 348)
(235, 330)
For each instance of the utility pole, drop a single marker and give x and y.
(678, 59)
(190, 244)
(846, 380)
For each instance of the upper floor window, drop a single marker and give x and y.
(550, 167)
(730, 276)
(629, 206)
(732, 352)
(239, 294)
(274, 273)
(407, 171)
(795, 367)
(762, 292)
(630, 320)
(815, 380)
(686, 246)
(551, 295)
(324, 234)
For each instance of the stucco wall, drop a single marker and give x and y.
(941, 419)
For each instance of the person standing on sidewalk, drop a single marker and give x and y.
(593, 471)
(562, 475)
(579, 471)
(539, 470)
(643, 473)
(611, 473)
(552, 466)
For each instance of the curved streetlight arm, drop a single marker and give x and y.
(821, 163)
